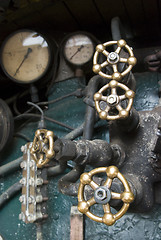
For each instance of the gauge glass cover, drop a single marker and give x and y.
(25, 56)
(78, 49)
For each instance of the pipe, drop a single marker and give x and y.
(67, 183)
(75, 133)
(10, 167)
(29, 115)
(9, 193)
(90, 111)
(54, 171)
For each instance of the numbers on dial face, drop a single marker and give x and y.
(25, 56)
(79, 49)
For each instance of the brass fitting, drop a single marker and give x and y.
(112, 59)
(103, 195)
(113, 101)
(43, 147)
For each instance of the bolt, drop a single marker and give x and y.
(45, 199)
(23, 181)
(45, 216)
(31, 182)
(39, 198)
(22, 216)
(39, 215)
(31, 218)
(23, 165)
(102, 195)
(31, 199)
(32, 165)
(113, 57)
(23, 148)
(112, 99)
(45, 182)
(22, 199)
(39, 181)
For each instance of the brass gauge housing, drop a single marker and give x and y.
(78, 49)
(25, 56)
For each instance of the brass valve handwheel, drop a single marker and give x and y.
(42, 147)
(127, 196)
(112, 59)
(114, 101)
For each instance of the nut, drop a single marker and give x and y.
(102, 195)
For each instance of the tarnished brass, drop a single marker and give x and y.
(42, 147)
(112, 59)
(127, 196)
(114, 101)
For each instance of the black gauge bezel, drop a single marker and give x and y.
(90, 36)
(6, 126)
(49, 60)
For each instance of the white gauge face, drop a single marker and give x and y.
(79, 49)
(25, 56)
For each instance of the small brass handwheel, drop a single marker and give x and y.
(105, 194)
(42, 147)
(113, 101)
(112, 59)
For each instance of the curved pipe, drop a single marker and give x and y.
(54, 171)
(10, 167)
(9, 193)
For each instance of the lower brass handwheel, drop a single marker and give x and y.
(113, 101)
(42, 147)
(103, 195)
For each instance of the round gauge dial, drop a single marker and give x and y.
(25, 56)
(78, 49)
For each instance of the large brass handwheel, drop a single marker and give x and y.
(112, 59)
(105, 194)
(113, 101)
(42, 147)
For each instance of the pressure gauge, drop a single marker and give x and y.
(79, 49)
(25, 56)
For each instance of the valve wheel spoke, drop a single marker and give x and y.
(104, 64)
(108, 182)
(118, 49)
(122, 97)
(91, 202)
(114, 66)
(113, 91)
(105, 53)
(93, 185)
(115, 195)
(119, 108)
(107, 108)
(106, 208)
(104, 98)
(123, 60)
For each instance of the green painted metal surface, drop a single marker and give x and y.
(57, 227)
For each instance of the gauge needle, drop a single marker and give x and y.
(78, 50)
(29, 50)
